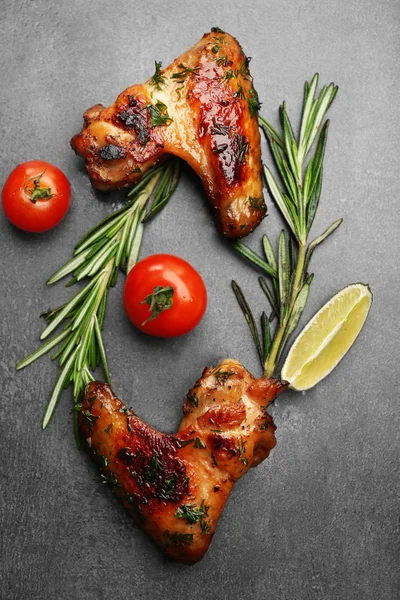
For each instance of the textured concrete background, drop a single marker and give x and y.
(320, 518)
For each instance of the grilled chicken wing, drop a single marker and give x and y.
(202, 108)
(176, 486)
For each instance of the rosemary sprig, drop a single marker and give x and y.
(296, 194)
(111, 245)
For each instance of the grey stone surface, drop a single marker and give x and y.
(320, 518)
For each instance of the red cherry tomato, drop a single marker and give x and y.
(164, 296)
(36, 196)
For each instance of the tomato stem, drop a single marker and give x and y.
(159, 300)
(37, 193)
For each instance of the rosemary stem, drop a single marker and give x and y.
(273, 355)
(299, 275)
(279, 337)
(107, 272)
(148, 190)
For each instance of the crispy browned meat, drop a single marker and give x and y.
(202, 108)
(176, 486)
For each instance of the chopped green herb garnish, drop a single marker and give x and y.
(220, 39)
(158, 79)
(198, 443)
(222, 61)
(193, 515)
(108, 429)
(169, 486)
(150, 474)
(242, 450)
(190, 513)
(243, 69)
(158, 114)
(235, 73)
(183, 443)
(193, 399)
(256, 203)
(178, 91)
(242, 148)
(222, 376)
(154, 464)
(239, 93)
(219, 128)
(134, 505)
(177, 539)
(111, 480)
(91, 400)
(220, 148)
(229, 75)
(180, 76)
(205, 528)
(253, 102)
(155, 475)
(89, 418)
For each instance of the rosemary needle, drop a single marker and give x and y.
(111, 245)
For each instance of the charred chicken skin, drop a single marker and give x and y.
(176, 486)
(202, 108)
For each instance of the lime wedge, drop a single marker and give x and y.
(327, 337)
